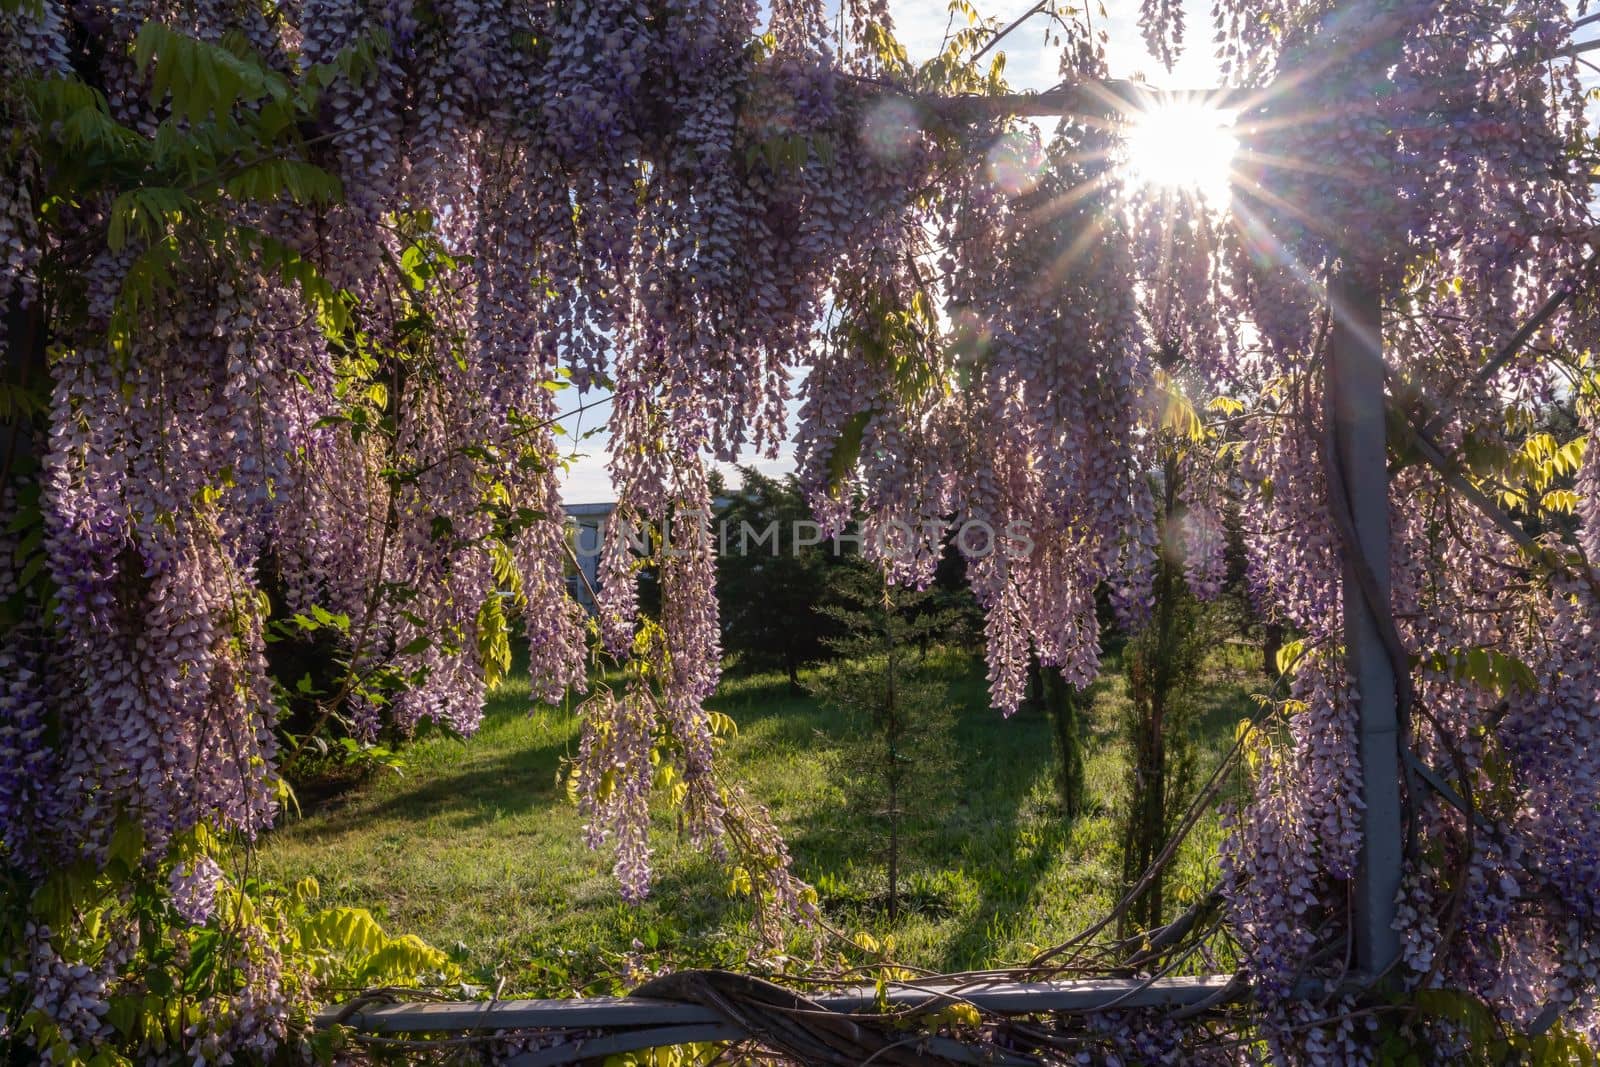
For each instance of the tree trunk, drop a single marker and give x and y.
(1269, 650)
(892, 727)
(1062, 700)
(1153, 666)
(1145, 833)
(894, 851)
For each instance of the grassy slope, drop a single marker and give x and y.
(477, 849)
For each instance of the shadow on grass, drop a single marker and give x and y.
(1033, 837)
(484, 789)
(762, 698)
(994, 830)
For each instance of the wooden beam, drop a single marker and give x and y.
(595, 1048)
(1094, 101)
(991, 997)
(578, 1013)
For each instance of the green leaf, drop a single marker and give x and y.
(324, 617)
(494, 640)
(1289, 655)
(127, 842)
(1486, 668)
(846, 449)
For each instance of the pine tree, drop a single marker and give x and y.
(768, 583)
(903, 718)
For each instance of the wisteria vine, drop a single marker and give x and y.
(294, 295)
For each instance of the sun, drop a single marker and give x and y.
(1183, 145)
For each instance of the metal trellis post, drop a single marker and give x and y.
(1356, 385)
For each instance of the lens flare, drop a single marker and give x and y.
(1015, 162)
(1186, 146)
(890, 128)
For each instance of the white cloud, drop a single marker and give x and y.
(587, 481)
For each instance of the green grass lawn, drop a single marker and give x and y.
(476, 847)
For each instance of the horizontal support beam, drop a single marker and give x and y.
(990, 997)
(588, 1050)
(1097, 100)
(593, 1048)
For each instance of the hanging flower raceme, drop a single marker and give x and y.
(1161, 24)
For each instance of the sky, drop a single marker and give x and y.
(1030, 65)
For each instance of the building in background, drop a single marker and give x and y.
(586, 527)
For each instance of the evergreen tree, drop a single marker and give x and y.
(769, 584)
(902, 713)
